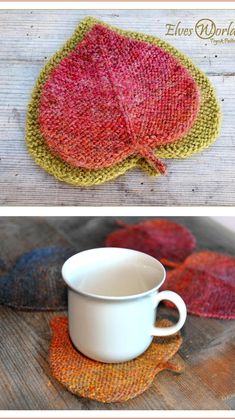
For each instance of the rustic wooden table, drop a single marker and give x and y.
(207, 352)
(29, 37)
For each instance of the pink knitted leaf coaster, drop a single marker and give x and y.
(109, 382)
(113, 97)
(206, 282)
(165, 240)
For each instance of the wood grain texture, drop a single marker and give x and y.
(29, 38)
(207, 353)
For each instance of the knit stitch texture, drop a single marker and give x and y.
(40, 136)
(35, 281)
(165, 240)
(113, 97)
(206, 282)
(108, 382)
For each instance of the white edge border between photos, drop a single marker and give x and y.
(117, 211)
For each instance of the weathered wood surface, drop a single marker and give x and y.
(207, 352)
(28, 38)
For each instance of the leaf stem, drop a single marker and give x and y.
(153, 160)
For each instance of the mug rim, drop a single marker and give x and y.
(114, 298)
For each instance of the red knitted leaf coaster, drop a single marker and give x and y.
(206, 282)
(114, 97)
(220, 265)
(165, 240)
(109, 382)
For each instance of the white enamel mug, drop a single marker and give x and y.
(112, 302)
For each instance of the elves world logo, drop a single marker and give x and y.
(204, 29)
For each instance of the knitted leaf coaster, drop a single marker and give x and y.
(103, 83)
(165, 240)
(220, 265)
(206, 282)
(108, 382)
(35, 282)
(113, 97)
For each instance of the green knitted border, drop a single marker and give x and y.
(203, 133)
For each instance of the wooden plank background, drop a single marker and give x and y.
(28, 38)
(207, 353)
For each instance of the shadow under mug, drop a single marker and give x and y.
(113, 294)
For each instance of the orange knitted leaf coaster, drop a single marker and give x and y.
(206, 282)
(108, 382)
(113, 97)
(165, 240)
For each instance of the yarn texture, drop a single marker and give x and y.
(140, 129)
(206, 282)
(112, 97)
(165, 240)
(35, 281)
(109, 382)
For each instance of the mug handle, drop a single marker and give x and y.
(180, 304)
